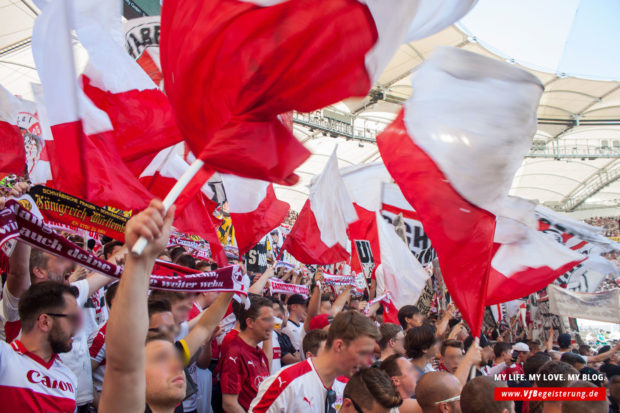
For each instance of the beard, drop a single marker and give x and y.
(59, 342)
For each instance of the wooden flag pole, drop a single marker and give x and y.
(172, 196)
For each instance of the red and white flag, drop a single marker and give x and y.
(454, 150)
(85, 162)
(319, 235)
(13, 159)
(254, 209)
(230, 79)
(195, 217)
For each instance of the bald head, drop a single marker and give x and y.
(436, 387)
(478, 396)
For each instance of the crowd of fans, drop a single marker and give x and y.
(78, 340)
(611, 225)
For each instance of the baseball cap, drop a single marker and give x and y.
(320, 321)
(296, 299)
(520, 347)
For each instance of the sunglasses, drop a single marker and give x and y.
(451, 399)
(74, 319)
(355, 405)
(329, 401)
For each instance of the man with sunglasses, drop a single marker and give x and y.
(308, 386)
(439, 392)
(32, 377)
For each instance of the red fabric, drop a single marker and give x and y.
(252, 226)
(18, 399)
(461, 233)
(13, 159)
(143, 120)
(365, 228)
(228, 80)
(287, 376)
(12, 330)
(90, 167)
(195, 311)
(390, 312)
(243, 369)
(228, 338)
(304, 242)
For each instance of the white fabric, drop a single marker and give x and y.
(276, 363)
(363, 183)
(536, 250)
(9, 106)
(403, 276)
(78, 359)
(392, 195)
(8, 310)
(205, 387)
(331, 205)
(294, 333)
(467, 107)
(95, 312)
(432, 16)
(168, 163)
(243, 194)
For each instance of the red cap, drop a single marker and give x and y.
(318, 322)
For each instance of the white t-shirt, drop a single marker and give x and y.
(296, 389)
(295, 333)
(78, 359)
(8, 310)
(95, 312)
(276, 362)
(28, 383)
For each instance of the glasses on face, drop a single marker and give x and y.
(164, 329)
(451, 399)
(74, 319)
(355, 406)
(329, 401)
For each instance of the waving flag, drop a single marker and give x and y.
(453, 150)
(85, 162)
(319, 235)
(230, 79)
(254, 209)
(13, 160)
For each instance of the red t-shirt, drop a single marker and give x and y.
(242, 370)
(512, 370)
(228, 338)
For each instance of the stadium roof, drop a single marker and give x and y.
(574, 162)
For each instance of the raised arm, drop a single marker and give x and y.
(314, 305)
(18, 277)
(605, 355)
(124, 384)
(207, 323)
(443, 324)
(258, 287)
(341, 300)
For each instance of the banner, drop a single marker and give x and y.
(56, 206)
(17, 222)
(367, 262)
(603, 306)
(329, 279)
(196, 246)
(276, 286)
(256, 258)
(283, 264)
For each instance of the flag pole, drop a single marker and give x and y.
(171, 198)
(472, 373)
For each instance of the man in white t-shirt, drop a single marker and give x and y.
(32, 377)
(308, 386)
(294, 328)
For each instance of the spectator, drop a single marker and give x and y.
(245, 365)
(50, 317)
(613, 389)
(439, 392)
(372, 389)
(584, 406)
(451, 355)
(392, 340)
(314, 343)
(288, 354)
(554, 374)
(478, 396)
(308, 386)
(574, 360)
(405, 378)
(409, 316)
(297, 314)
(421, 346)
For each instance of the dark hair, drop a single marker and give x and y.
(186, 260)
(564, 340)
(478, 396)
(572, 359)
(500, 347)
(109, 247)
(312, 341)
(157, 336)
(388, 332)
(171, 296)
(350, 325)
(584, 349)
(584, 406)
(203, 265)
(450, 343)
(111, 293)
(156, 306)
(175, 252)
(256, 303)
(390, 365)
(39, 259)
(406, 311)
(370, 385)
(534, 363)
(552, 369)
(419, 339)
(46, 296)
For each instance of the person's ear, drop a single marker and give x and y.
(39, 273)
(44, 322)
(396, 381)
(391, 342)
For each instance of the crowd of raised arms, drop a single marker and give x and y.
(78, 340)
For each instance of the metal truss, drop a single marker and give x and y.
(592, 185)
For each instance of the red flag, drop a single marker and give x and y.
(230, 79)
(254, 209)
(480, 143)
(319, 235)
(85, 162)
(13, 159)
